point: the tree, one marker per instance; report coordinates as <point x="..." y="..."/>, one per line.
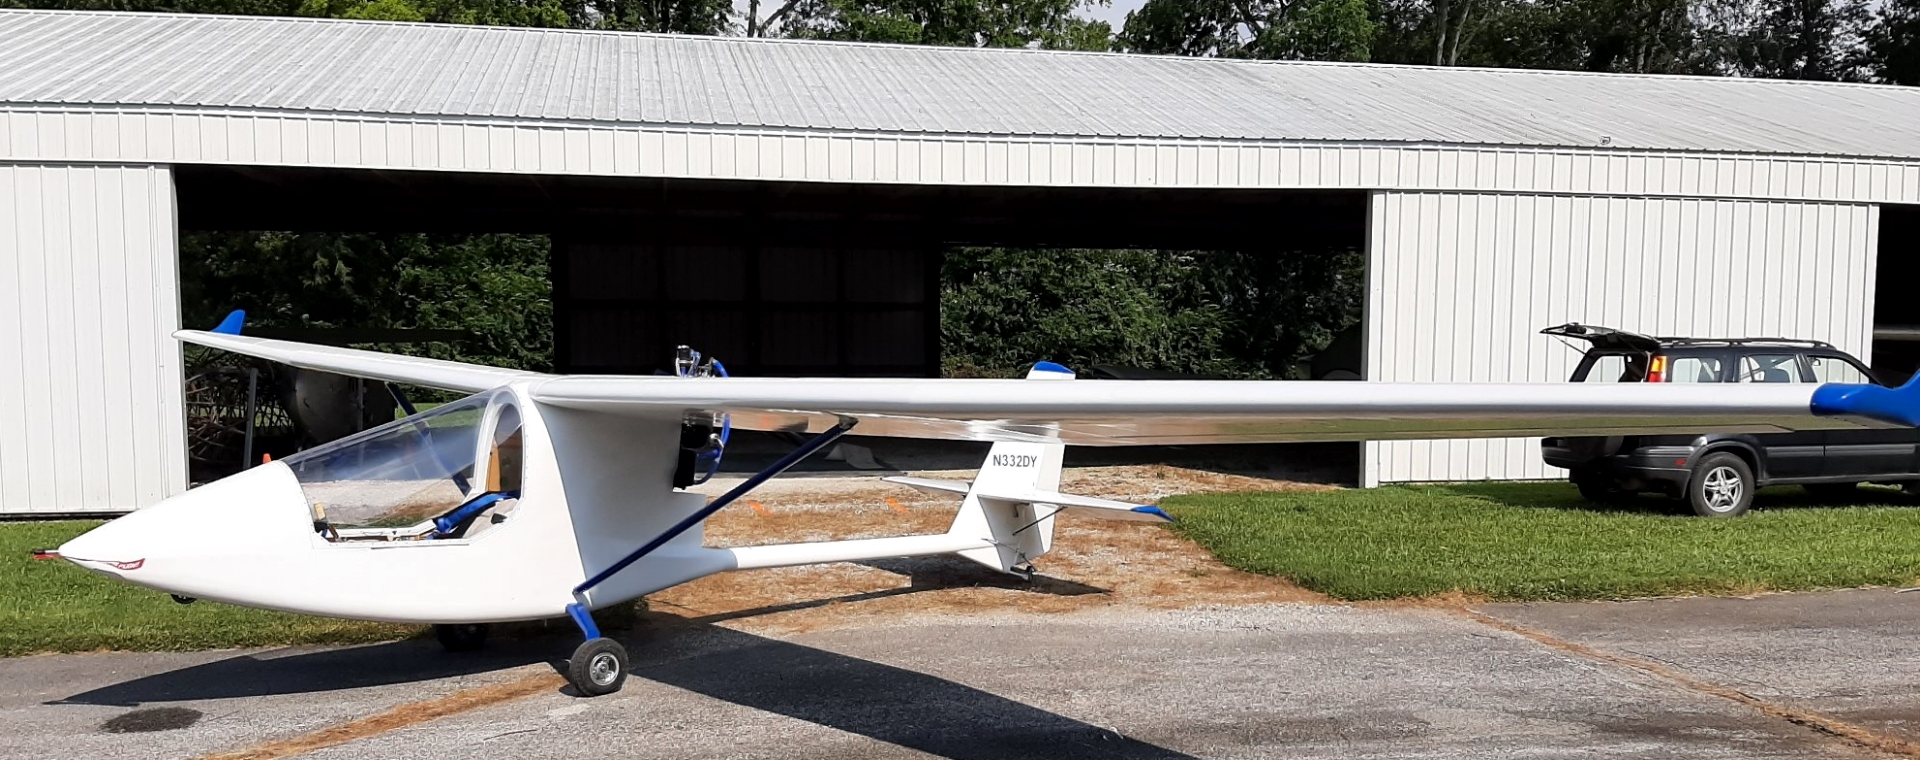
<point x="493" y="286"/>
<point x="1222" y="313"/>
<point x="956" y="23"/>
<point x="1338" y="30"/>
<point x="1795" y="39"/>
<point x="1893" y="42"/>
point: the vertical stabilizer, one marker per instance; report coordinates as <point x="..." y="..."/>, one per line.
<point x="1012" y="534"/>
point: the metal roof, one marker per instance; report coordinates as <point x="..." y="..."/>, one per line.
<point x="172" y="62"/>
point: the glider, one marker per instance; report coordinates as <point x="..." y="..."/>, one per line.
<point x="543" y="496"/>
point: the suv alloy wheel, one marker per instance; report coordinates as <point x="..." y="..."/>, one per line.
<point x="1722" y="486"/>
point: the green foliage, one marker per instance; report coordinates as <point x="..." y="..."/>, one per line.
<point x="494" y="286"/>
<point x="1219" y="313"/>
<point x="1323" y="30"/>
<point x="56" y="607"/>
<point x="1525" y="541"/>
<point x="961" y="23"/>
<point x="1893" y="42"/>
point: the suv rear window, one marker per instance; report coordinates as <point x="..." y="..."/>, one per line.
<point x="1616" y="368"/>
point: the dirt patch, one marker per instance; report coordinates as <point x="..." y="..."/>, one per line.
<point x="401" y="716"/>
<point x="1094" y="563"/>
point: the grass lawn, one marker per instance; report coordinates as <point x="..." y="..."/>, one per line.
<point x="50" y="605"/>
<point x="1526" y="541"/>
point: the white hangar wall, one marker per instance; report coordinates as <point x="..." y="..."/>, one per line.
<point x="91" y="416"/>
<point x="1460" y="285"/>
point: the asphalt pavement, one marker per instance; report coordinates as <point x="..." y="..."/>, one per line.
<point x="1775" y="676"/>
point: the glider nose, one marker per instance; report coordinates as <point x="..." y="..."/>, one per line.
<point x="189" y="542"/>
<point x="110" y="549"/>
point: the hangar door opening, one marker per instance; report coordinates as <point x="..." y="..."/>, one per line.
<point x="787" y="308"/>
<point x="1896" y="314"/>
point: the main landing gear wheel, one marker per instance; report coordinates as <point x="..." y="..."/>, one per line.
<point x="598" y="667"/>
<point x="462" y="637"/>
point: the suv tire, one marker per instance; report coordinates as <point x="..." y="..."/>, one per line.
<point x="1596" y="487"/>
<point x="1722" y="486"/>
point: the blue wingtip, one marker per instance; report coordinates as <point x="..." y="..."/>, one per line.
<point x="1051" y="367"/>
<point x="1900" y="406"/>
<point x="232" y="324"/>
<point x="1155" y="511"/>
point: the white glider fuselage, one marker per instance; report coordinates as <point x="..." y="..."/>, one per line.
<point x="590" y="489"/>
<point x="252" y="539"/>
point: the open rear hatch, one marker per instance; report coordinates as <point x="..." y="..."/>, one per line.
<point x="1605" y="337"/>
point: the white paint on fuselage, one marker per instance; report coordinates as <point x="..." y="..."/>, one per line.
<point x="595" y="487"/>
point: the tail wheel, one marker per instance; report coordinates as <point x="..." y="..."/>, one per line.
<point x="598" y="667"/>
<point x="1722" y="486"/>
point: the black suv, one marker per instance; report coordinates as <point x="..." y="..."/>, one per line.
<point x="1717" y="474"/>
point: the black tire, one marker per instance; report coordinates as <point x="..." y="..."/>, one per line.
<point x="1722" y="486"/>
<point x="1598" y="488"/>
<point x="462" y="637"/>
<point x="1833" y="490"/>
<point x="598" y="667"/>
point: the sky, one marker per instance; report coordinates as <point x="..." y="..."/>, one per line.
<point x="1115" y="14"/>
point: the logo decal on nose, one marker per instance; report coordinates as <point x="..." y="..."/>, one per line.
<point x="129" y="565"/>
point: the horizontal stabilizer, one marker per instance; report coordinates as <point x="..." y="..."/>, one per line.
<point x="931" y="485"/>
<point x="1083" y="505"/>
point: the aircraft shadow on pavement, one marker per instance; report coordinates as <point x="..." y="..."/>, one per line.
<point x="883" y="702"/>
<point x="895" y="705"/>
<point x="312" y="672"/>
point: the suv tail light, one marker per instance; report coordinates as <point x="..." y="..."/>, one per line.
<point x="1657" y="369"/>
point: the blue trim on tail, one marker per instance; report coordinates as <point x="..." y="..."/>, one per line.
<point x="1155" y="511"/>
<point x="235" y="320"/>
<point x="1900" y="406"/>
<point x="1051" y="367"/>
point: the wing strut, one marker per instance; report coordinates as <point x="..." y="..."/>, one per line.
<point x="599" y="665"/>
<point x="806" y="450"/>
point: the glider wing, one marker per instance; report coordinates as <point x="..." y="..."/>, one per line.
<point x="1140" y="412"/>
<point x="1135" y="412"/>
<point x="410" y="370"/>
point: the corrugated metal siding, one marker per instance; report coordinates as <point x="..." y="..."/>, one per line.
<point x="90" y="392"/>
<point x="1460" y="285"/>
<point x="213" y="63"/>
<point x="278" y="140"/>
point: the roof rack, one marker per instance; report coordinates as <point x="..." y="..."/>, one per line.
<point x="1742" y="341"/>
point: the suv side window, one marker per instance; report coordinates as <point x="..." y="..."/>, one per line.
<point x="1833" y="369"/>
<point x="1769" y="368"/>
<point x="1694" y="369"/>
